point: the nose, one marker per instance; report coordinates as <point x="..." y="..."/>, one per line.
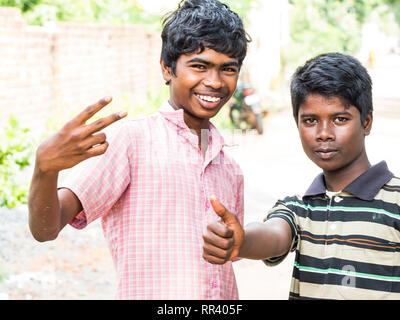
<point x="213" y="79"/>
<point x="325" y="132"/>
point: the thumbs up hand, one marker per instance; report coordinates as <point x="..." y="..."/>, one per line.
<point x="223" y="238"/>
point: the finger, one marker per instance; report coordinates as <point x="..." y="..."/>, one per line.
<point x="96" y="150"/>
<point x="221" y="211"/>
<point x="218" y="230"/>
<point x="91" y="110"/>
<point x="214" y="260"/>
<point x="216" y="251"/>
<point x="219" y="246"/>
<point x="93" y="140"/>
<point x="105" y="122"/>
<point x="216" y="255"/>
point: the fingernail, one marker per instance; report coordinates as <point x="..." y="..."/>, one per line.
<point x="107" y="99"/>
<point x="123" y="114"/>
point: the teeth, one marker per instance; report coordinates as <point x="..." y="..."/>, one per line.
<point x="209" y="98"/>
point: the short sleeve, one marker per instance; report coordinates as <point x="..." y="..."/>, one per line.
<point x="282" y="211"/>
<point x="240" y="198"/>
<point x="100" y="181"/>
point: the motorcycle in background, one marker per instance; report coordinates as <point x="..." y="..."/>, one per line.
<point x="245" y="112"/>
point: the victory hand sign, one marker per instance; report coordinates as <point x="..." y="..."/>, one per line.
<point x="76" y="141"/>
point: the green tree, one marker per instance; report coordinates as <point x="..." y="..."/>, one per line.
<point x="394" y="6"/>
<point x="242" y="7"/>
<point x="99" y="11"/>
<point x="319" y="26"/>
<point x="16" y="151"/>
<point x="24" y="5"/>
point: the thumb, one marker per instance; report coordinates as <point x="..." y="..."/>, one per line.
<point x="232" y="222"/>
<point x="226" y="216"/>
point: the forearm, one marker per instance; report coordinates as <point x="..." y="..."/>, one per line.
<point x="265" y="240"/>
<point x="44" y="206"/>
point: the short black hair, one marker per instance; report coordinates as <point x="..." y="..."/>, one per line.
<point x="199" y="24"/>
<point x="333" y="75"/>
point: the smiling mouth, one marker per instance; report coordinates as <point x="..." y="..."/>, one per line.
<point x="208" y="101"/>
<point x="208" y="98"/>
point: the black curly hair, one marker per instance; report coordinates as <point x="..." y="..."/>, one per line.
<point x="199" y="24"/>
<point x="333" y="75"/>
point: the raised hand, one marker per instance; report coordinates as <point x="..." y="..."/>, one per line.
<point x="223" y="238"/>
<point x="76" y="141"/>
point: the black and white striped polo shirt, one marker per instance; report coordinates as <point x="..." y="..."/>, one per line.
<point x="347" y="245"/>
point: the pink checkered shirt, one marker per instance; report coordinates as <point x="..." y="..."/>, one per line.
<point x="151" y="189"/>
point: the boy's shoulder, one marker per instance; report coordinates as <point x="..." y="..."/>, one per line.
<point x="393" y="184"/>
<point x="290" y="202"/>
<point x="390" y="191"/>
<point x="135" y="126"/>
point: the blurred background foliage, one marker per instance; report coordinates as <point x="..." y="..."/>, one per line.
<point x="318" y="26"/>
<point x="38" y="12"/>
<point x="16" y="151"/>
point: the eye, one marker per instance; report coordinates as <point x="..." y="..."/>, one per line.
<point x="309" y="120"/>
<point x="341" y="119"/>
<point x="230" y="70"/>
<point x="198" y="66"/>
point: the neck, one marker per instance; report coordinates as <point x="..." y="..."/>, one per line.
<point x="199" y="127"/>
<point x="194" y="123"/>
<point x="337" y="180"/>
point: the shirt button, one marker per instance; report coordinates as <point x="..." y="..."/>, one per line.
<point x="214" y="284"/>
<point x="207" y="205"/>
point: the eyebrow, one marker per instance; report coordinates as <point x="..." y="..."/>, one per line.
<point x="305" y="115"/>
<point x="208" y="63"/>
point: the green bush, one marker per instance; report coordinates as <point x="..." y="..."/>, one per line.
<point x="16" y="151"/>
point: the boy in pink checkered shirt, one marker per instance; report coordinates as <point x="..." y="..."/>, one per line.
<point x="150" y="180"/>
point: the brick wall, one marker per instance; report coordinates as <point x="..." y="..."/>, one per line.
<point x="65" y="65"/>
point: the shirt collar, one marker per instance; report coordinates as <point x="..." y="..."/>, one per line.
<point x="176" y="117"/>
<point x="364" y="187"/>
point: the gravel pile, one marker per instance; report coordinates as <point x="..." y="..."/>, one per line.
<point x="77" y="265"/>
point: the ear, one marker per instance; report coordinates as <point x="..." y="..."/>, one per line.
<point x="368" y="124"/>
<point x="166" y="71"/>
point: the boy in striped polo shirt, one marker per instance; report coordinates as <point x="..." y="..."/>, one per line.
<point x="345" y="228"/>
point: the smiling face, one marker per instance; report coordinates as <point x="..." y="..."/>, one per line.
<point x="202" y="84"/>
<point x="332" y="135"/>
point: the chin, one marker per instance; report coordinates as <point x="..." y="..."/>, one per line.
<point x="326" y="165"/>
<point x="212" y="114"/>
<point x="207" y="113"/>
<point x="331" y="167"/>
